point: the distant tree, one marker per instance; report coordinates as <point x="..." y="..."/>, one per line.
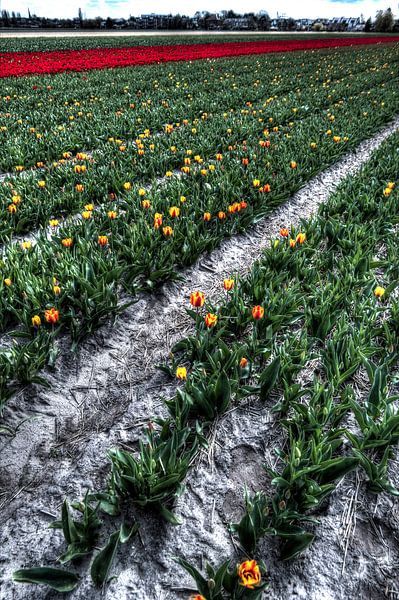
<point x="5" y="16"/>
<point x="291" y="24"/>
<point x="109" y="23"/>
<point x="264" y="21"/>
<point x="384" y="20"/>
<point x="367" y="26"/>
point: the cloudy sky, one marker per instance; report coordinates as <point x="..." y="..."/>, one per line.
<point x="124" y="8"/>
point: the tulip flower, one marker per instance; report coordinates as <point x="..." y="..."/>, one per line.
<point x="197" y="299"/>
<point x="167" y="231"/>
<point x="284" y="232"/>
<point x="36" y="321"/>
<point x="243" y="362"/>
<point x="112" y="214"/>
<point x="7" y="282"/>
<point x="51" y="315"/>
<point x="210" y="320"/>
<point x="221" y="215"/>
<point x="174" y="211"/>
<point x="379" y="292"/>
<point x="12" y="209"/>
<point x="102" y="240"/>
<point x="258" y="312"/>
<point x="41" y="184"/>
<point x="127" y="186"/>
<point x="300" y="238"/>
<point x="249" y="574"/>
<point x="228" y="284"/>
<point x="146" y="204"/>
<point x="56" y="290"/>
<point x="86" y="214"/>
<point x="181" y="373"/>
<point x="67" y="242"/>
<point x="79" y="187"/>
<point x="54" y="222"/>
<point x="26" y="245"/>
<point x="207" y="216"/>
<point x="293" y="164"/>
<point x="157" y="220"/>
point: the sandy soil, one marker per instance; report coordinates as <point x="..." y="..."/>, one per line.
<point x="102" y="397"/>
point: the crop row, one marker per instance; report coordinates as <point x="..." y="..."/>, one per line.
<point x="41" y="118"/>
<point x="46" y="44"/>
<point x="324" y="294"/>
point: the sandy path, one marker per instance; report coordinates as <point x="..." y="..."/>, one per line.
<point x="103" y="396"/>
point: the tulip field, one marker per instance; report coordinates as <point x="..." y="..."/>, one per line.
<point x="120" y="172"/>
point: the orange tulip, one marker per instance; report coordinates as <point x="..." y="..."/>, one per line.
<point x="258" y="312"/>
<point x="249" y="574"/>
<point x="51" y="315"/>
<point x="243" y="362"/>
<point x="112" y="214"/>
<point x="167" y="231"/>
<point x="228" y="284"/>
<point x="174" y="211"/>
<point x="146" y="204"/>
<point x="210" y="320"/>
<point x="207" y="216"/>
<point x="102" y="240"/>
<point x="157" y="220"/>
<point x="67" y="242"/>
<point x="197" y="299"/>
<point x="300" y="238"/>
<point x="221" y="215"/>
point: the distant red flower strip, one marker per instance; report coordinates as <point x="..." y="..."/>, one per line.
<point x="29" y="63"/>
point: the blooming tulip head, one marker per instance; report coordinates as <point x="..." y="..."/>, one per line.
<point x="181" y="373"/>
<point x="284" y="232"/>
<point x="300" y="238"/>
<point x="167" y="231"/>
<point x="228" y="284"/>
<point x="174" y="211"/>
<point x="258" y="312"/>
<point x="293" y="164"/>
<point x="112" y="214"/>
<point x="197" y="299"/>
<point x="51" y="315"/>
<point x="102" y="240"/>
<point x="207" y="216"/>
<point x="67" y="242"/>
<point x="210" y="320"/>
<point x="157" y="220"/>
<point x="221" y="215"/>
<point x="146" y="204"/>
<point x="127" y="186"/>
<point x="7" y="282"/>
<point x="243" y="362"/>
<point x="56" y="290"/>
<point x="41" y="184"/>
<point x="379" y="292"/>
<point x="249" y="574"/>
<point x="36" y="321"/>
<point x="86" y="214"/>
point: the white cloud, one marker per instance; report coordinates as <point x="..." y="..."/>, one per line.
<point x="123" y="8"/>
